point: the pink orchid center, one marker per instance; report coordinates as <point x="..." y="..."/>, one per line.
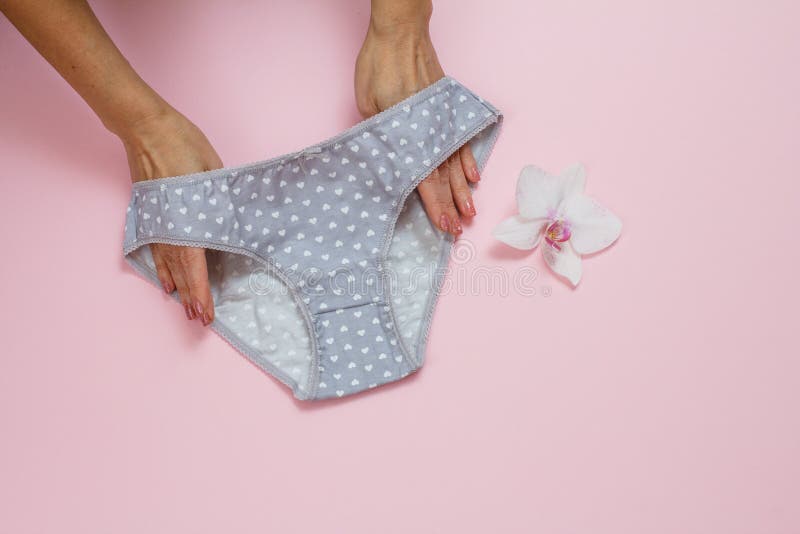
<point x="557" y="232"/>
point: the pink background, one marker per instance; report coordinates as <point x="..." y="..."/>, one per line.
<point x="661" y="396"/>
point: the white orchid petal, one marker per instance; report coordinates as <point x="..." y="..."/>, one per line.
<point x="520" y="232"/>
<point x="593" y="227"/>
<point x="538" y="193"/>
<point x="574" y="181"/>
<point x="565" y="262"/>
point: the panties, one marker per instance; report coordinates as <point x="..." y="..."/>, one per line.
<point x="323" y="265"/>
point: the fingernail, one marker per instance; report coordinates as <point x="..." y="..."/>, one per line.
<point x="167" y="287"/>
<point x="206" y="319"/>
<point x="457" y="225"/>
<point x="199" y="309"/>
<point x="443" y="224"/>
<point x="188" y="311"/>
<point x="470" y="206"/>
<point x="475" y="174"/>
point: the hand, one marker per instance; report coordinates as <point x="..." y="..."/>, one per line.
<point x="159" y="141"/>
<point x="397" y="60"/>
<point x="170" y="145"/>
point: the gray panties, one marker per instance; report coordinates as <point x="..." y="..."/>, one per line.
<point x="323" y="265"/>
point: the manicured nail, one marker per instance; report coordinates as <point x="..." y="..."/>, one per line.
<point x="206" y="319"/>
<point x="199" y="309"/>
<point x="167" y="288"/>
<point x="470" y="206"/>
<point x="443" y="224"/>
<point x="475" y="174"/>
<point x="188" y="311"/>
<point x="457" y="226"/>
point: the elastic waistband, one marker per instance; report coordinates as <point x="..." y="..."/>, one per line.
<point x="311" y="151"/>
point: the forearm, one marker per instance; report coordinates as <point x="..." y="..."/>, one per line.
<point x="69" y="36"/>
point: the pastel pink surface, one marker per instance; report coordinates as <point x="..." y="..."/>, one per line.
<point x="660" y="396"/>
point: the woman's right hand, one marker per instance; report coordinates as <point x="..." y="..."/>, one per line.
<point x="160" y="142"/>
<point x="163" y="145"/>
<point x="397" y="59"/>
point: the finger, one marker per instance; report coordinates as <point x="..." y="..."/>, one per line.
<point x="454" y="175"/>
<point x="183" y="293"/>
<point x="462" y="194"/>
<point x="169" y="255"/>
<point x="162" y="270"/>
<point x="469" y="165"/>
<point x="438" y="199"/>
<point x="196" y="272"/>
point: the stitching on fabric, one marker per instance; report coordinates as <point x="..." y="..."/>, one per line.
<point x="307" y="315"/>
<point x="422" y="338"/>
<point x="251" y="355"/>
<point x="356" y="129"/>
<point x="446" y="241"/>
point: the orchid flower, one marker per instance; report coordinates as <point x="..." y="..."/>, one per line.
<point x="555" y="208"/>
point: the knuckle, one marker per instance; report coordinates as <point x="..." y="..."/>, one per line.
<point x="162" y="271"/>
<point x="366" y="108"/>
<point x="442" y="176"/>
<point x="459" y="185"/>
<point x="196" y="284"/>
<point x="186" y="260"/>
<point x="444" y="204"/>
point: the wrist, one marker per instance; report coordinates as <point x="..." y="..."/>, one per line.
<point x="154" y="129"/>
<point x="164" y="144"/>
<point x="400" y="19"/>
<point x="134" y="113"/>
